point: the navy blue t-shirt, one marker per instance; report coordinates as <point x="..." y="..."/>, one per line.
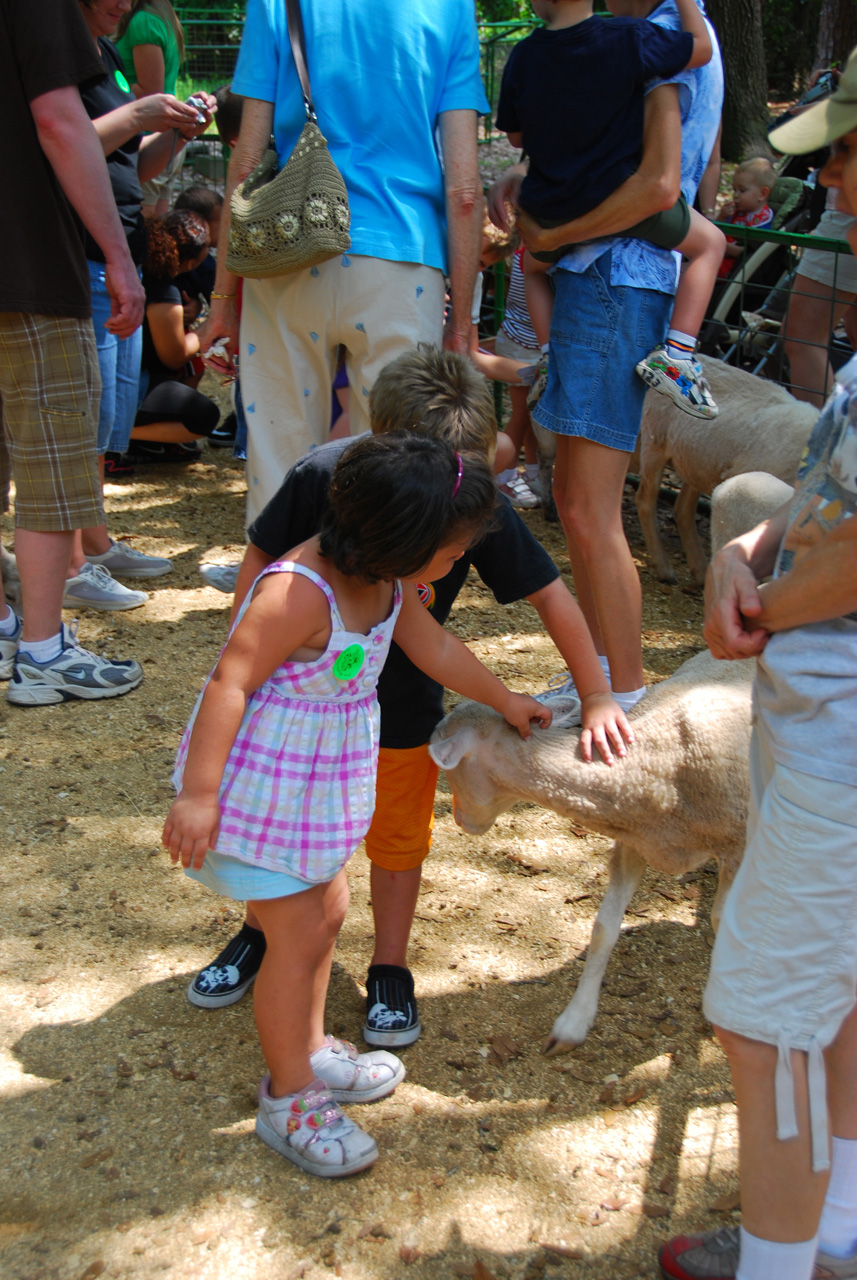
<point x="576" y="95"/>
<point x="509" y="560"/>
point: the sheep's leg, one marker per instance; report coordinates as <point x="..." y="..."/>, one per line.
<point x="651" y="474"/>
<point x="572" y="1026"/>
<point x="727" y="867"/>
<point x="685" y="518"/>
<point x="546" y="448"/>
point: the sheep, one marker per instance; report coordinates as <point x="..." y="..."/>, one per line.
<point x="11" y="579"/>
<point x="741" y="502"/>
<point x="760" y="427"/>
<point x="678" y="798"/>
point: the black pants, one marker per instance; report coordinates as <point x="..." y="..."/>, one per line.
<point x="174" y="402"/>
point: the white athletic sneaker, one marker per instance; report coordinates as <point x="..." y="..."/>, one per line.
<point x="74" y="673"/>
<point x="96" y="588"/>
<point x="8" y="649"/>
<point x="128" y="562"/>
<point x="309" y="1129"/>
<point x="682" y="380"/>
<point x="356" y="1077"/>
<point x="220" y="576"/>
<point x="519" y="493"/>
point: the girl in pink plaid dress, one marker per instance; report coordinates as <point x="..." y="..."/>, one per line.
<point x="276" y="771"/>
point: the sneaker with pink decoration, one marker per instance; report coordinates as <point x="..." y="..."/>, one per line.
<point x="311" y="1130"/>
<point x="356" y="1077"/>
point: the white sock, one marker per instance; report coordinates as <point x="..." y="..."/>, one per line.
<point x="680" y="346"/>
<point x="837" y="1231"/>
<point x="42" y="650"/>
<point x="9" y="623"/>
<point x="545" y="348"/>
<point x="764" y="1259"/>
<point x="630" y="699"/>
<point x="506" y="477"/>
<point x="531" y="470"/>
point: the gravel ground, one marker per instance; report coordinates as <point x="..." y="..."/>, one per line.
<point x="126" y="1119"/>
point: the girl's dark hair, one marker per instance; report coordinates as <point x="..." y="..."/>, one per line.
<point x="395" y="500"/>
<point x="178" y="237"/>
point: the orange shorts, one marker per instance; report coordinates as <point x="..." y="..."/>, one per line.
<point x="400" y="835"/>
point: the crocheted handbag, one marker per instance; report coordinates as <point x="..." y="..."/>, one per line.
<point x="283" y="222"/>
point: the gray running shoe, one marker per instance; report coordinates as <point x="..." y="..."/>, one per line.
<point x="128" y="562"/>
<point x="220" y="576"/>
<point x="714" y="1255"/>
<point x="96" y="588"/>
<point x="73" y="673"/>
<point x="8" y="649"/>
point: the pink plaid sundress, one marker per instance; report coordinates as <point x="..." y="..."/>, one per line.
<point x="298" y="789"/>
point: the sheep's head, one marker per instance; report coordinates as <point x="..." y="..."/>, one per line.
<point x="483" y="757"/>
<point x="462" y="747"/>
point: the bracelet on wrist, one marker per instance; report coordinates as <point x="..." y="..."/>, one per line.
<point x="223" y="295"/>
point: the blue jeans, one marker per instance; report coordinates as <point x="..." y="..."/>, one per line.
<point x="119" y="361"/>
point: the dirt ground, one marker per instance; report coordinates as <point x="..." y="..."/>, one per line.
<point x="126" y="1119"/>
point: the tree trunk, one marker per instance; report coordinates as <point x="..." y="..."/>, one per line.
<point x="745" y="110"/>
<point x="837" y="32"/>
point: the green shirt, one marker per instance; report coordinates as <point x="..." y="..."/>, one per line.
<point x="148" y="28"/>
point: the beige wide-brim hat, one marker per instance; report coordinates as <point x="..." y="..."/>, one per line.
<point x="824" y="122"/>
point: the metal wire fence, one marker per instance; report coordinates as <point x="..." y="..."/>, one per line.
<point x="776" y="322"/>
<point x="213" y="35"/>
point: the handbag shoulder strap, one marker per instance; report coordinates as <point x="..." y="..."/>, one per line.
<point x="298" y="43"/>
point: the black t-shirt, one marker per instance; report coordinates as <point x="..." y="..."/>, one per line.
<point x="43" y="47"/>
<point x="100" y="96"/>
<point x="509" y="560"/>
<point x="576" y="96"/>
<point x="158" y="290"/>
<point x="200" y="281"/>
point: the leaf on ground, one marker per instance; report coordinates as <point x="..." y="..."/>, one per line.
<point x="94" y="1269"/>
<point x="97" y="1156"/>
<point x="654" y="1210"/>
<point x="503" y="1050"/>
<point x="377" y="1230"/>
<point x="528" y="866"/>
<point x="562" y="1250"/>
<point x="726" y="1203"/>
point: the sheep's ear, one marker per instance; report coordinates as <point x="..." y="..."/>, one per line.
<point x="565" y="708"/>
<point x="448" y="752"/>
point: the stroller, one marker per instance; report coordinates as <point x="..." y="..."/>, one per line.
<point x="745" y="323"/>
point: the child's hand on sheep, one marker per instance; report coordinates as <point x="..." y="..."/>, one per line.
<point x="519" y="709"/>
<point x="604" y="723"/>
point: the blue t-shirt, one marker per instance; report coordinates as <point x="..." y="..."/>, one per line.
<point x="700" y="99"/>
<point x="381" y="74"/>
<point x="576" y="95"/>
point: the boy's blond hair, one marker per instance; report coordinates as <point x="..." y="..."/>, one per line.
<point x="760" y="170"/>
<point x="435" y="393"/>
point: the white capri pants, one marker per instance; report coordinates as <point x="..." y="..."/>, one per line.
<point x="291" y="329"/>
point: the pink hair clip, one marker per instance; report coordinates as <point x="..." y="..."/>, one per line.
<point x="457" y="484"/>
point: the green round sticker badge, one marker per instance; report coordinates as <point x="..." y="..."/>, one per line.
<point x="121" y="81"/>
<point x="349" y="662"/>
